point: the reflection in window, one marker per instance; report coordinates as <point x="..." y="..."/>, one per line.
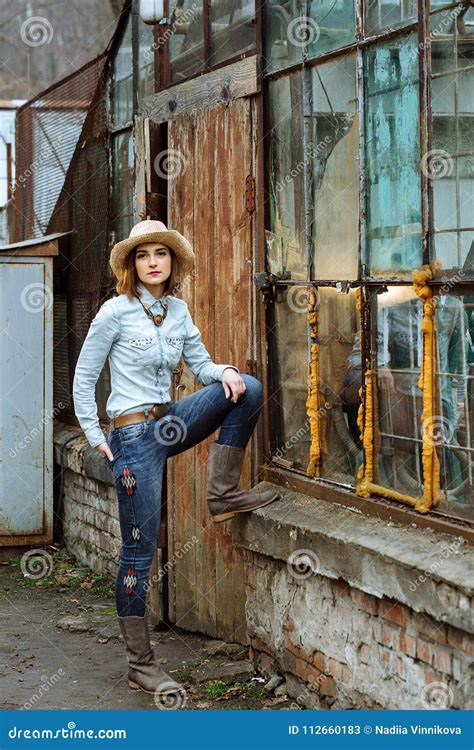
<point x="291" y="428"/>
<point x="123" y="183"/>
<point x="334" y="154"/>
<point x="453" y="430"/>
<point x="122" y="79"/>
<point x="146" y="62"/>
<point x="399" y="399"/>
<point x="393" y="157"/>
<point x="286" y="234"/>
<point x="385" y="14"/>
<point x="339" y="342"/>
<point x="331" y="25"/>
<point x="232" y="28"/>
<point x="285" y="33"/>
<point x="450" y="164"/>
<point x="186" y="43"/>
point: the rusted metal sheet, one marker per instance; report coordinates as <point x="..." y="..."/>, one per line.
<point x="207" y="202"/>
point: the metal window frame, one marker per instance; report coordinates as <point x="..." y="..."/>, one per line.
<point x="426" y="287"/>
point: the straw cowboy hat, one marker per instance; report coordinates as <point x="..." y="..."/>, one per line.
<point x="153" y="231"/>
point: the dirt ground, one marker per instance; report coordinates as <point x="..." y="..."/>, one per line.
<point x="61" y="648"/>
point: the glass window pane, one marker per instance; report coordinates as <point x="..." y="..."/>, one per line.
<point x="146" y="64"/>
<point x="291" y="427"/>
<point x="400" y="402"/>
<point x="452" y="431"/>
<point x="285" y="236"/>
<point x="123" y="183"/>
<point x="393" y="158"/>
<point x="186" y="43"/>
<point x="285" y="34"/>
<point x="335" y="158"/>
<point x="386" y="14"/>
<point x="340" y="380"/>
<point x="122" y="80"/>
<point x="450" y="163"/>
<point x="331" y="25"/>
<point x="232" y="28"/>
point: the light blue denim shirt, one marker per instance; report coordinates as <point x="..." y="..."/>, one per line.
<point x="141" y="356"/>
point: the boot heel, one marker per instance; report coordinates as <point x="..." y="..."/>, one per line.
<point x="133" y="685"/>
<point x="223" y="516"/>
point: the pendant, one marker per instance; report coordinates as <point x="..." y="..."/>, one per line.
<point x="158" y="319"/>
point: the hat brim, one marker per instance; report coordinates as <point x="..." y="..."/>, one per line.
<point x="173" y="239"/>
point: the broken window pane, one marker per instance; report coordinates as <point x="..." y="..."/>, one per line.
<point x="393" y="157"/>
<point x="331" y="25"/>
<point x="386" y="14"/>
<point x="123" y="185"/>
<point x="400" y="402"/>
<point x="291" y="434"/>
<point x="339" y="382"/>
<point x="450" y="163"/>
<point x="452" y="431"/>
<point x="122" y="79"/>
<point x="186" y="42"/>
<point x="285" y="33"/>
<point x="334" y="153"/>
<point x="285" y="236"/>
<point x="232" y="28"/>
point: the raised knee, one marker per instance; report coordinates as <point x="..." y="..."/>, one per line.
<point x="253" y="385"/>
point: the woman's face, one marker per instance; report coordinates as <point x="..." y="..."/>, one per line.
<point x="153" y="263"/>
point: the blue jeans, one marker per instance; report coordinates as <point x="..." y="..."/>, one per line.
<point x="140" y="452"/>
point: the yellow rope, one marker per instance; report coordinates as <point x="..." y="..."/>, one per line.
<point x="312" y="401"/>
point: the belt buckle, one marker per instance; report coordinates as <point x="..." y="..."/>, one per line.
<point x="159" y="410"/>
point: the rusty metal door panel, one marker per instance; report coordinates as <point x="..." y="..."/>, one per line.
<point x="208" y="201"/>
<point x="26" y="414"/>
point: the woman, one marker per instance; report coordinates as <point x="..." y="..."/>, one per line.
<point x="144" y="331"/>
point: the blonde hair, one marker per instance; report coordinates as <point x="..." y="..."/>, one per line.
<point x="128" y="281"/>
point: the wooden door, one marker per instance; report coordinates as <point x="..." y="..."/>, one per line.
<point x="210" y="201"/>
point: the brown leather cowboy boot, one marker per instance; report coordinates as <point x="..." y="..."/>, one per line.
<point x="224" y="499"/>
<point x="144" y="673"/>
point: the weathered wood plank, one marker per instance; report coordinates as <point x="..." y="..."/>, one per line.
<point x="220" y="86"/>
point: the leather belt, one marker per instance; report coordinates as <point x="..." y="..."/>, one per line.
<point x="156" y="412"/>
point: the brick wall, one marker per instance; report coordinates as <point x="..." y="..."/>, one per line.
<point x="342" y="648"/>
<point x="90" y="522"/>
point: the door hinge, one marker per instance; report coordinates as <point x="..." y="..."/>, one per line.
<point x="250" y="193"/>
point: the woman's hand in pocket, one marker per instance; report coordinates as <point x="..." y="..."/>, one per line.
<point x="104" y="451"/>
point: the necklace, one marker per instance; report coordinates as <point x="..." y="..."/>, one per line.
<point x="159" y="318"/>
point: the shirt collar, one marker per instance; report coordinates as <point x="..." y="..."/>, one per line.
<point x="146" y="296"/>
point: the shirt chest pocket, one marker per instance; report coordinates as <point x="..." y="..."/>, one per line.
<point x="145" y="350"/>
<point x="175" y="346"/>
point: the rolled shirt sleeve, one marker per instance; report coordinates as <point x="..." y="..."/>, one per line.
<point x="103" y="331"/>
<point x="198" y="359"/>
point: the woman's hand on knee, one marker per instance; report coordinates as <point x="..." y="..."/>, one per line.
<point x="233" y="384"/>
<point x="104" y="451"/>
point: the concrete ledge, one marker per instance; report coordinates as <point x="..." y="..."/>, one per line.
<point x="72" y="451"/>
<point x="429" y="572"/>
